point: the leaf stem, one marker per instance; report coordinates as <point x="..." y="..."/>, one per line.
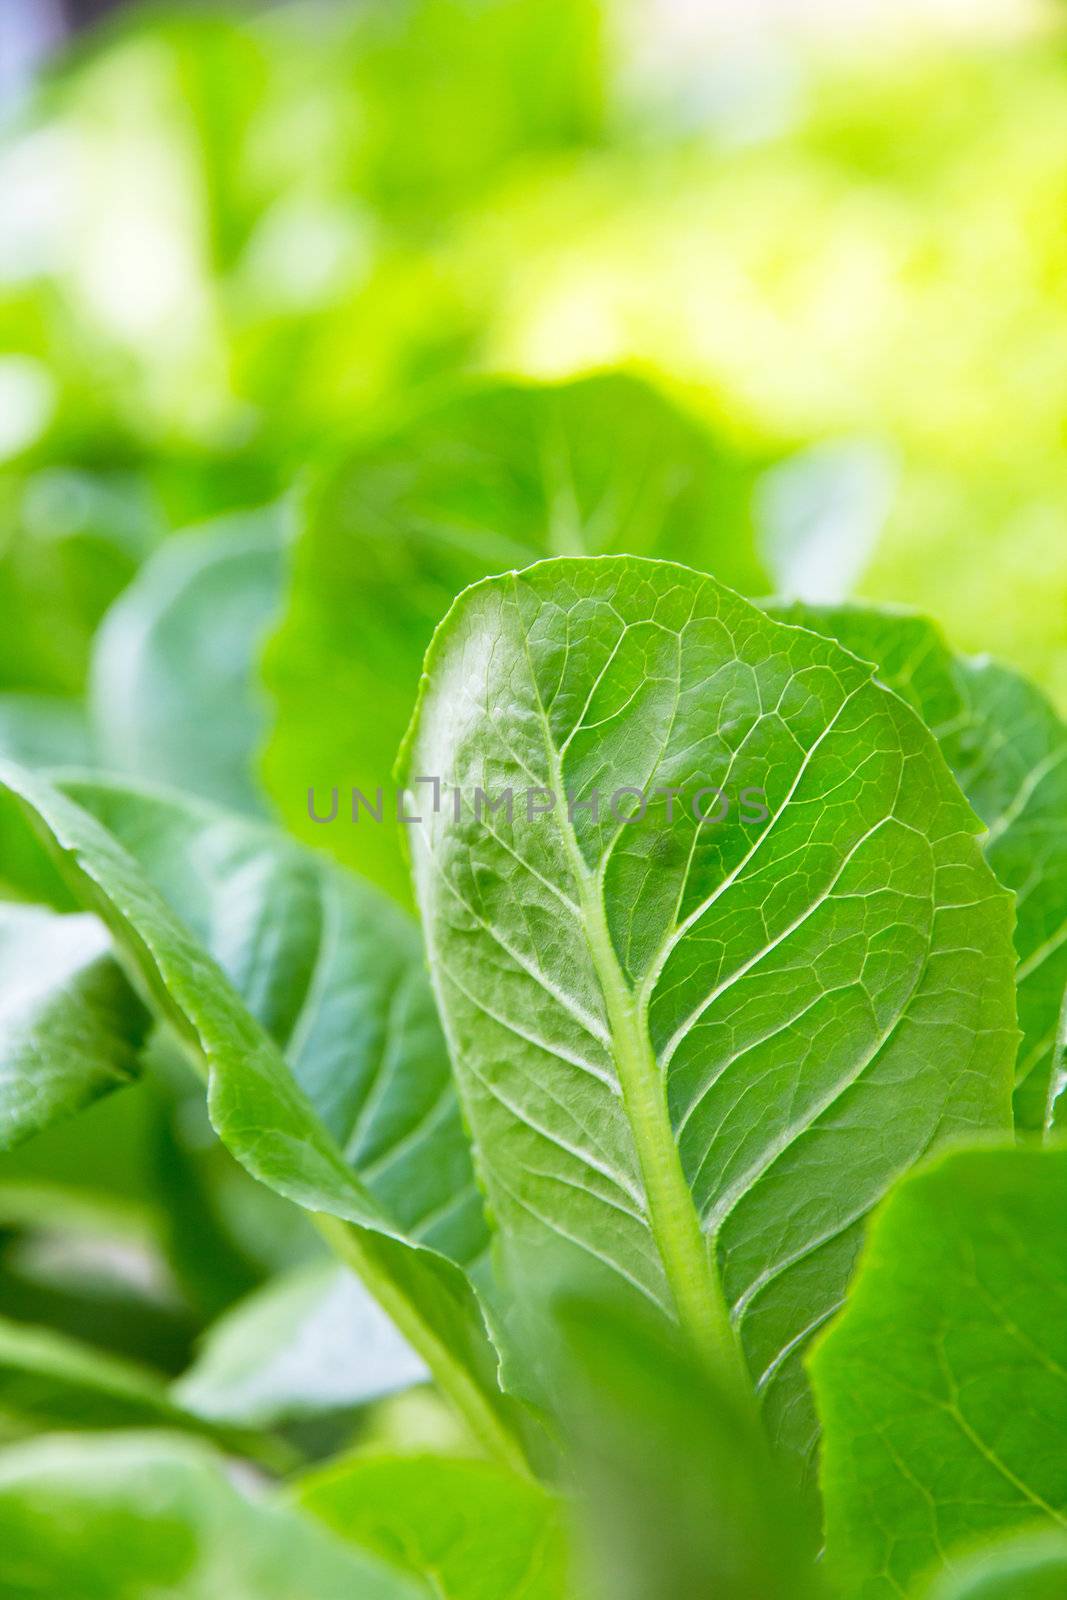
<point x="452" y="1379"/>
<point x="688" y="1256"/>
<point x="691" y="1270"/>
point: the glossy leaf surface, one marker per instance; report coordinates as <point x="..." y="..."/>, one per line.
<point x="699" y="1047"/>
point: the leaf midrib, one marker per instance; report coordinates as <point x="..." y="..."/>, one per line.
<point x="691" y="1271"/>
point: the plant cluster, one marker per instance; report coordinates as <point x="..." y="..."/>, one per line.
<point x="707" y="1164"/>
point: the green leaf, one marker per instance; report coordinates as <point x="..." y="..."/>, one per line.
<point x="48" y="1381"/>
<point x="942" y="1388"/>
<point x="490" y="479"/>
<point x="700" y="1052"/>
<point x="70" y="1025"/>
<point x="310" y="1341"/>
<point x="134" y="1515"/>
<point x="1012" y="764"/>
<point x="679" y="1493"/>
<point x="51" y="1382"/>
<point x="257" y="1105"/>
<point x="173" y="689"/>
<point x="474" y="1531"/>
<point x="336" y="975"/>
<point x="1008" y="749"/>
<point x="1031" y="1567"/>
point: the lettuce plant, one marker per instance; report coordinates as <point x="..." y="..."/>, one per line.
<point x="726" y="914"/>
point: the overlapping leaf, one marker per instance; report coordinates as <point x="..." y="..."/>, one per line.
<point x="943" y="1387"/>
<point x="1008" y="749"/>
<point x="310" y="1341"/>
<point x="70" y="1026"/>
<point x="335" y="974"/>
<point x="173" y="689"/>
<point x="256" y="1103"/>
<point x="676" y="1489"/>
<point x="700" y="1050"/>
<point x="490" y="479"/>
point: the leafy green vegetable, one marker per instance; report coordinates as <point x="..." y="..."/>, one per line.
<point x="173" y="691"/>
<point x="309" y="1341"/>
<point x="700" y="1051"/>
<point x="123" y="1517"/>
<point x="335" y="974"/>
<point x="70" y="1026"/>
<point x="1008" y="749"/>
<point x="490" y="479"/>
<point x="271" y="257"/>
<point x="257" y="1105"/>
<point x="942" y="1388"/>
<point x="476" y="1532"/>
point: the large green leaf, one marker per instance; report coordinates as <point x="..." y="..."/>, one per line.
<point x="475" y="1531"/>
<point x="490" y="479"/>
<point x="1008" y="749"/>
<point x="311" y="1340"/>
<point x="943" y="1387"/>
<point x="135" y="1515"/>
<point x="173" y="691"/>
<point x="257" y="1105"/>
<point x="700" y="1051"/>
<point x="70" y="1025"/>
<point x="1011" y="759"/>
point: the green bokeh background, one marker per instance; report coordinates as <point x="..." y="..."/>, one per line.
<point x="229" y="237"/>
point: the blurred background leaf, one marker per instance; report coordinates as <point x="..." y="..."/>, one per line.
<point x="679" y="1490"/>
<point x="228" y="234"/>
<point x="174" y="695"/>
<point x="311" y="1341"/>
<point x="490" y="478"/>
<point x="112" y="1518"/>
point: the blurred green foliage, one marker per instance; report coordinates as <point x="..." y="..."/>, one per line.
<point x="310" y="315"/>
<point x="229" y="237"/>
